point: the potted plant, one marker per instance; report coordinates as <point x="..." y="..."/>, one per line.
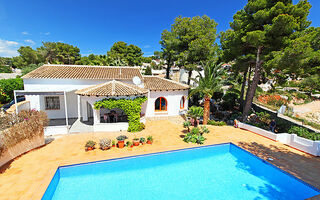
<point x="90" y="145"/>
<point x="149" y="139"/>
<point x="142" y="140"/>
<point x="105" y="144"/>
<point x="136" y="141"/>
<point x="113" y="143"/>
<point x="129" y="144"/>
<point x="121" y="139"/>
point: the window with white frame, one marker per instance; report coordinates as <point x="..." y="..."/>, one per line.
<point x="52" y="103"/>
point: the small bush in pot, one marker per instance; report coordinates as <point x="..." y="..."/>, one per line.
<point x="129" y="144"/>
<point x="113" y="143"/>
<point x="90" y="145"/>
<point x="149" y="139"/>
<point x="105" y="144"/>
<point x="121" y="139"/>
<point x="136" y="142"/>
<point x="142" y="140"/>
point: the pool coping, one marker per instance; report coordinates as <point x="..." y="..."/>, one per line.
<point x="177" y="150"/>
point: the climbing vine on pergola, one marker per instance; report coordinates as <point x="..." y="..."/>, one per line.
<point x="132" y="107"/>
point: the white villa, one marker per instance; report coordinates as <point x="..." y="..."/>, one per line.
<point x="67" y="93"/>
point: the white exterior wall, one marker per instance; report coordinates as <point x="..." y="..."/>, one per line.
<point x="148" y="108"/>
<point x="38" y="101"/>
<point x="308" y="146"/>
<point x="173" y="103"/>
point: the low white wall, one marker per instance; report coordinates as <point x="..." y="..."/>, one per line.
<point x="303" y="144"/>
<point x="111" y="127"/>
<point x="55" y="130"/>
<point x="20" y="148"/>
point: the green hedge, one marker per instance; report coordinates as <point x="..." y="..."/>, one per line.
<point x="216" y="123"/>
<point x="132" y="107"/>
<point x="303" y="132"/>
<point x="5" y="69"/>
<point x="8" y="86"/>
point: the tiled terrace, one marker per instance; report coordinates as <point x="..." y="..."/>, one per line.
<point x="28" y="176"/>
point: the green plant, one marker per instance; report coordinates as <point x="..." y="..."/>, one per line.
<point x="194" y="138"/>
<point x="128" y="143"/>
<point x="150" y="138"/>
<point x="196" y="135"/>
<point x="132" y="107"/>
<point x="303" y="132"/>
<point x="142" y="140"/>
<point x="195" y="113"/>
<point x="264" y="117"/>
<point x="142" y="126"/>
<point x="113" y="143"/>
<point x="121" y="138"/>
<point x="217" y="123"/>
<point x="90" y="143"/>
<point x="105" y="143"/>
<point x="8" y="86"/>
<point x="187" y="124"/>
<point x="5" y="69"/>
<point x="204" y="129"/>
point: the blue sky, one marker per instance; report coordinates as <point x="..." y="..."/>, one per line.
<point x="95" y="25"/>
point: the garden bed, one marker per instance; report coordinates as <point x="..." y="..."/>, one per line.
<point x="292" y="140"/>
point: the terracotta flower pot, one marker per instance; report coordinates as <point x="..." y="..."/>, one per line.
<point x="89" y="148"/>
<point x="136" y="142"/>
<point x="149" y="142"/>
<point x="120" y="144"/>
<point x="114" y="145"/>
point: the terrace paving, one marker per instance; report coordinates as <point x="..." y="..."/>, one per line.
<point x="28" y="176"/>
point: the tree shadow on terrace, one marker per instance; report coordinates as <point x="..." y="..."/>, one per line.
<point x="303" y="166"/>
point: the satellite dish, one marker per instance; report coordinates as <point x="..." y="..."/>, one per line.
<point x="136" y="80"/>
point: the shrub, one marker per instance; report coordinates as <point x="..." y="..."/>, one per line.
<point x="5" y="69"/>
<point x="196" y="135"/>
<point x="8" y="86"/>
<point x="303" y="132"/>
<point x="25" y="125"/>
<point x="122" y="137"/>
<point x="272" y="100"/>
<point x="142" y="140"/>
<point x="230" y="100"/>
<point x="90" y="143"/>
<point x="105" y="143"/>
<point x="217" y="123"/>
<point x="194" y="138"/>
<point x="142" y="126"/>
<point x="132" y="107"/>
<point x="187" y="124"/>
<point x="150" y="138"/>
<point x="195" y="112"/>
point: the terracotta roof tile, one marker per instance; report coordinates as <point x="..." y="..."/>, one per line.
<point x="83" y="72"/>
<point x="112" y="88"/>
<point x="158" y="83"/>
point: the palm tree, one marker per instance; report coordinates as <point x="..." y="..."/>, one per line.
<point x="208" y="83"/>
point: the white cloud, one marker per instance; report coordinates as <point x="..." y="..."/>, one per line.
<point x="31" y="42"/>
<point x="146" y="46"/>
<point x="47" y="33"/>
<point x="24" y="33"/>
<point x="8" y="48"/>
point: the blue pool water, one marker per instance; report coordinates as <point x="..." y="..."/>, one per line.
<point x="212" y="172"/>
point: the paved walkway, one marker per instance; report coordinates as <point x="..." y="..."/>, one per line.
<point x="28" y="176"/>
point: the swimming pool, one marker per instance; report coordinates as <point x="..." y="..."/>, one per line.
<point x="223" y="171"/>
